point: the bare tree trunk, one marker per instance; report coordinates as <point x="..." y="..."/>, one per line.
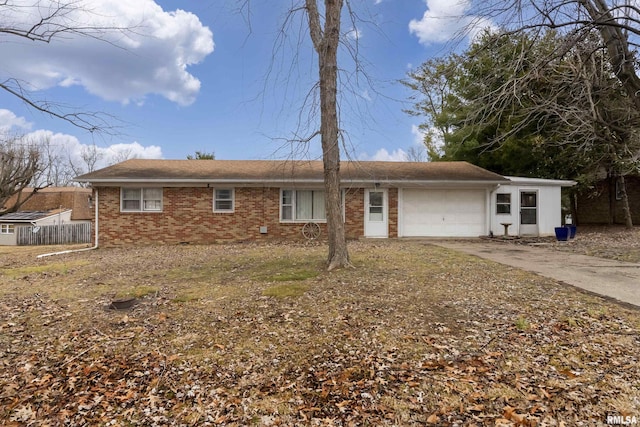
<point x="621" y="57"/>
<point x="325" y="41"/>
<point x="628" y="222"/>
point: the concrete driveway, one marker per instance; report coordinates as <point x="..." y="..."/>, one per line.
<point x="612" y="279"/>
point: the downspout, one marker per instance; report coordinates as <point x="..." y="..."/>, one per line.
<point x="95" y="246"/>
<point x="491" y="193"/>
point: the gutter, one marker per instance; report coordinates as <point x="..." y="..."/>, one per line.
<point x="95" y="246"/>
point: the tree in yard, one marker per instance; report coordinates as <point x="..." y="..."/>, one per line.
<point x="20" y="165"/>
<point x="58" y="169"/>
<point x="89" y="156"/>
<point x="323" y="20"/>
<point x="468" y="102"/>
<point x="616" y="22"/>
<point x="531" y="105"/>
<point x="325" y="35"/>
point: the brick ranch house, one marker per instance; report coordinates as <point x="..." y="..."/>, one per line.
<point x="206" y="201"/>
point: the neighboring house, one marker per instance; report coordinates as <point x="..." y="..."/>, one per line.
<point x="48" y="206"/>
<point x="9" y="223"/>
<point x="603" y="204"/>
<point x="203" y="201"/>
<point x="45" y="199"/>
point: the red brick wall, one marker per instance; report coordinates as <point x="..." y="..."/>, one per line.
<point x="393" y="212"/>
<point x="601" y="207"/>
<point x="188" y="216"/>
<point x="354" y="213"/>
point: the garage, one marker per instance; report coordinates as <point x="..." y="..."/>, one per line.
<point x="443" y="213"/>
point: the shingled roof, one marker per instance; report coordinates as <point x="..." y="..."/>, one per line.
<point x="50" y="198"/>
<point x="276" y="171"/>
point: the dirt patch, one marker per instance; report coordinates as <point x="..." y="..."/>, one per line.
<point x="413" y="335"/>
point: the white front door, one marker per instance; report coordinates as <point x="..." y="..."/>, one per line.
<point x="529" y="213"/>
<point x="376" y="212"/>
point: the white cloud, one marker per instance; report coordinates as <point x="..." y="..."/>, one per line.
<point x="8" y="121"/>
<point x="149" y="55"/>
<point x="418" y="135"/>
<point x="354" y="34"/>
<point x="383" y="155"/>
<point x="68" y="147"/>
<point x="119" y="152"/>
<point x="445" y="20"/>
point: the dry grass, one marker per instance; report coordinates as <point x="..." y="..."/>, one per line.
<point x="262" y="335"/>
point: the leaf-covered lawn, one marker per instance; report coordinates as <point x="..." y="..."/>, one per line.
<point x="262" y="335"/>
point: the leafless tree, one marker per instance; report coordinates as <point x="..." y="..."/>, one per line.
<point x="20" y="166"/>
<point x="122" y="154"/>
<point x="57" y="171"/>
<point x="91" y="156"/>
<point x="321" y="21"/>
<point x="417" y="154"/>
<point x="325" y="35"/>
<point x="617" y="22"/>
<point x="334" y="90"/>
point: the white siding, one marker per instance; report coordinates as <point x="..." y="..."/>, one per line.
<point x="549" y="209"/>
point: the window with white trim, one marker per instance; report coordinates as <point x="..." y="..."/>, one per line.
<point x="302" y="205"/>
<point x="7" y="228"/>
<point x="503" y="203"/>
<point x="141" y="199"/>
<point x="223" y="200"/>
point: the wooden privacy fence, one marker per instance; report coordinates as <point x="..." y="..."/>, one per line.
<point x="54" y="234"/>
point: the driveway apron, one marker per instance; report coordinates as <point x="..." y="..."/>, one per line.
<point x="609" y="278"/>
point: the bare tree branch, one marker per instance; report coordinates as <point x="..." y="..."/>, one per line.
<point x="89" y="121"/>
<point x="20" y="165"/>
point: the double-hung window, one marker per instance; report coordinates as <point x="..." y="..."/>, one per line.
<point x="223" y="199"/>
<point x="302" y="205"/>
<point x="141" y="199"/>
<point x="503" y="203"/>
<point x="7" y="229"/>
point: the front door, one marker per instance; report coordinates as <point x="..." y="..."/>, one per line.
<point x="376" y="223"/>
<point x="529" y="213"/>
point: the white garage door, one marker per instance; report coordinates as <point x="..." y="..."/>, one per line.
<point x="443" y="213"/>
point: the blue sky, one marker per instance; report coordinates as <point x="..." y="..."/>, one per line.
<point x="197" y="75"/>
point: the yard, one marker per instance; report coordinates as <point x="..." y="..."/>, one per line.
<point x="260" y="334"/>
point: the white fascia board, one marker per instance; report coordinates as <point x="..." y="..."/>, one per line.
<point x="429" y="184"/>
<point x="516" y="180"/>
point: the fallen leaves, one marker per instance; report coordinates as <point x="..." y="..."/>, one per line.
<point x="414" y="335"/>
